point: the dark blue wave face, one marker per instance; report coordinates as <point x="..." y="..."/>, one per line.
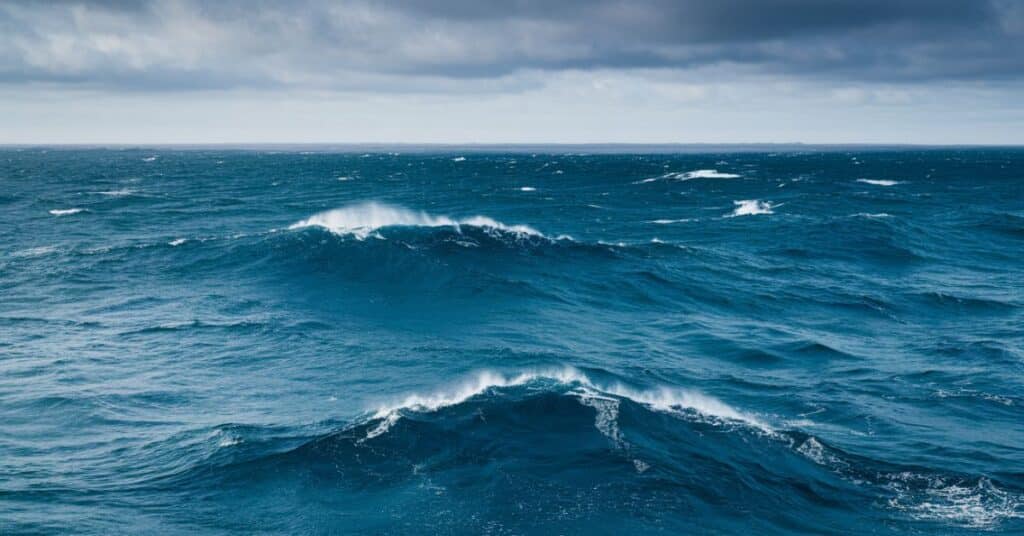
<point x="214" y="341"/>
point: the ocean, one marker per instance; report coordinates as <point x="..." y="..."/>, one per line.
<point x="544" y="340"/>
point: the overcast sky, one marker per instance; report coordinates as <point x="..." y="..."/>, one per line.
<point x="479" y="71"/>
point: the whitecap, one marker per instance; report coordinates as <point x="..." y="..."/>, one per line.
<point x="365" y="219"/>
<point x="527" y="189"/>
<point x="178" y="241"/>
<point x="668" y="222"/>
<point x="34" y="252"/>
<point x="66" y="211"/>
<point x="149" y="159"/>
<point x="662" y="398"/>
<point x="751" y="207"/>
<point x="344" y="178"/>
<point x="117" y="193"/>
<point x="879" y="182"/>
<point x="690" y="175"/>
<point x="228" y="441"/>
<point x="459" y="159"/>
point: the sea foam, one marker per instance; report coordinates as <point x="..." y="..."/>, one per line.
<point x="879" y="182"/>
<point x="751" y="207"/>
<point x="66" y="211"/>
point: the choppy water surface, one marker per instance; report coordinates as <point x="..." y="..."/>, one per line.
<point x="215" y="341"/>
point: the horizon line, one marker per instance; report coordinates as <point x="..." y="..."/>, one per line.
<point x="515" y="146"/>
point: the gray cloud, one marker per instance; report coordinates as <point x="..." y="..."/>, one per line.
<point x="484" y="45"/>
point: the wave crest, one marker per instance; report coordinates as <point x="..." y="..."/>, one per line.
<point x="365" y="219"/>
<point x="662" y="398"/>
<point x="694" y="174"/>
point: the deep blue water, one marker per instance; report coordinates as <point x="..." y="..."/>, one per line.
<point x="242" y="341"/>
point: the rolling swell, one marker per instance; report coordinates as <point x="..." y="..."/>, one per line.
<point x="237" y="341"/>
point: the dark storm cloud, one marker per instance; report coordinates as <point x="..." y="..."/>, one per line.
<point x="414" y="44"/>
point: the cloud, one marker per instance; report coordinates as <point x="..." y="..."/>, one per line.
<point x="489" y="45"/>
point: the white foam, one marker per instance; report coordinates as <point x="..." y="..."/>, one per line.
<point x="751" y="207"/>
<point x="178" y="241"/>
<point x="149" y="159"/>
<point x="979" y="506"/>
<point x="35" y="252"/>
<point x="527" y="189"/>
<point x="365" y="219"/>
<point x="694" y="174"/>
<point x="459" y="159"/>
<point x="879" y="182"/>
<point x="66" y="211"/>
<point x="117" y="193"/>
<point x="228" y="441"/>
<point x="344" y="178"/>
<point x="385" y="424"/>
<point x="668" y="222"/>
<point x="606" y="415"/>
<point x="662" y="398"/>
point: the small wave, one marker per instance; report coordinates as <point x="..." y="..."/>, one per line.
<point x="177" y="241"/>
<point x="345" y="178"/>
<point x="364" y="219"/>
<point x="751" y="207"/>
<point x="35" y="252"/>
<point x="694" y="174"/>
<point x="459" y="159"/>
<point x="879" y="182"/>
<point x="117" y="193"/>
<point x="149" y="159"/>
<point x="527" y="189"/>
<point x="66" y="211"/>
<point x="669" y="222"/>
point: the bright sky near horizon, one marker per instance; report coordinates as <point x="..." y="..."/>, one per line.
<point x="527" y="71"/>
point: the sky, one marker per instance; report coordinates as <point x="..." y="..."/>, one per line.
<point x="512" y="71"/>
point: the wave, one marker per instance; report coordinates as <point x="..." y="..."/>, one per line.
<point x="879" y="182"/>
<point x="694" y="174"/>
<point x="662" y="398"/>
<point x="66" y="211"/>
<point x="751" y="207"/>
<point x="669" y="222"/>
<point x="365" y="219"/>
<point x="589" y="440"/>
<point x="38" y="251"/>
<point x="117" y="193"/>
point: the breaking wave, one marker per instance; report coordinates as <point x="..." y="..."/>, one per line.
<point x="752" y="207"/>
<point x="364" y="219"/>
<point x="879" y="182"/>
<point x="690" y="175"/>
